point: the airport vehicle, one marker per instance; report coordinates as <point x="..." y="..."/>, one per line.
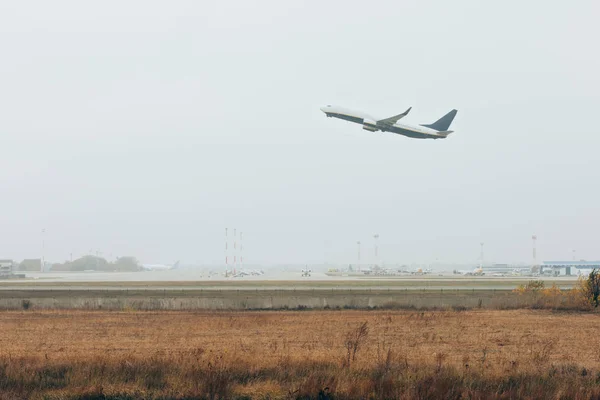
<point x="159" y="267"/>
<point x="437" y="130"/>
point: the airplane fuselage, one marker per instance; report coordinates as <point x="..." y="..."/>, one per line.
<point x="159" y="267"/>
<point x="156" y="267"/>
<point x="373" y="124"/>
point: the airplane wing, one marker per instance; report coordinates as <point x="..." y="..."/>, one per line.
<point x="394" y="119"/>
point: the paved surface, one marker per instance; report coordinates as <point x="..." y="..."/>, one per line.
<point x="288" y="282"/>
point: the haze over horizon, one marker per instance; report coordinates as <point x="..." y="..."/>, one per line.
<point x="146" y="128"/>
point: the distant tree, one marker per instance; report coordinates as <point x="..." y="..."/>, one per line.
<point x="126" y="264"/>
<point x="31" y="265"/>
<point x="586" y="293"/>
<point x="535" y="286"/>
<point x="85" y="263"/>
<point x="93" y="263"/>
<point x="593" y="287"/>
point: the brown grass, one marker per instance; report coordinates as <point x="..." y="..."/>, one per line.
<point x="289" y="355"/>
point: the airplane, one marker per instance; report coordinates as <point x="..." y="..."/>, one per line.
<point x="159" y="267"/>
<point x="437" y="130"/>
<point x="475" y="272"/>
<point x="421" y="271"/>
<point x="245" y="272"/>
<point x="366" y="270"/>
<point x="306" y="272"/>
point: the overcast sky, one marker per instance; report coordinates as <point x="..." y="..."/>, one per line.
<point x="146" y="127"/>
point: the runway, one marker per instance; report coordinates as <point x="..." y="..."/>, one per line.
<point x="189" y="280"/>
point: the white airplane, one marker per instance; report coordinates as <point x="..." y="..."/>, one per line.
<point x="421" y="271"/>
<point x="437" y="130"/>
<point x="244" y="272"/>
<point x="475" y="272"/>
<point x="306" y="272"/>
<point x="159" y="267"/>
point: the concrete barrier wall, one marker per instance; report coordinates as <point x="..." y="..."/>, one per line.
<point x="233" y="300"/>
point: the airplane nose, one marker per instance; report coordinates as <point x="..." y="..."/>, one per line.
<point x="326" y="109"/>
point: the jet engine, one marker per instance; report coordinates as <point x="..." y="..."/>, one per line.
<point x="370" y="125"/>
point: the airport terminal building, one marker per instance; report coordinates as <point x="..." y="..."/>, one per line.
<point x="6" y="268"/>
<point x="570" y="267"/>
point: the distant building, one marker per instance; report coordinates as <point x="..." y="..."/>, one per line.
<point x="6" y="268"/>
<point x="570" y="267"/>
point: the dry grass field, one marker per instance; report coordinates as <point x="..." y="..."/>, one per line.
<point x="299" y="354"/>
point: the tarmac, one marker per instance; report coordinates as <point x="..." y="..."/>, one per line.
<point x="190" y="280"/>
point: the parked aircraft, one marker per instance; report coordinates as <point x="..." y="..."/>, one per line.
<point x="437" y="130"/>
<point x="306" y="272"/>
<point x="248" y="272"/>
<point x="421" y="271"/>
<point x="475" y="272"/>
<point x="159" y="267"/>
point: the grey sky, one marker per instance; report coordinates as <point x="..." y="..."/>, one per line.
<point x="146" y="127"/>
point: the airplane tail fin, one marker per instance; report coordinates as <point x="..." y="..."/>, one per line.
<point x="176" y="265"/>
<point x="443" y="123"/>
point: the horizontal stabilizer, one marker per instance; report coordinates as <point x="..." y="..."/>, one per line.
<point x="394" y="119"/>
<point x="444" y="133"/>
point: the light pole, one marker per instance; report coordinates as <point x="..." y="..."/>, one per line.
<point x="376" y="237"/>
<point x="43" y="249"/>
<point x="358" y="244"/>
<point x="481" y="256"/>
<point x="534" y="267"/>
<point x="241" y="250"/>
<point x="226" y="254"/>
